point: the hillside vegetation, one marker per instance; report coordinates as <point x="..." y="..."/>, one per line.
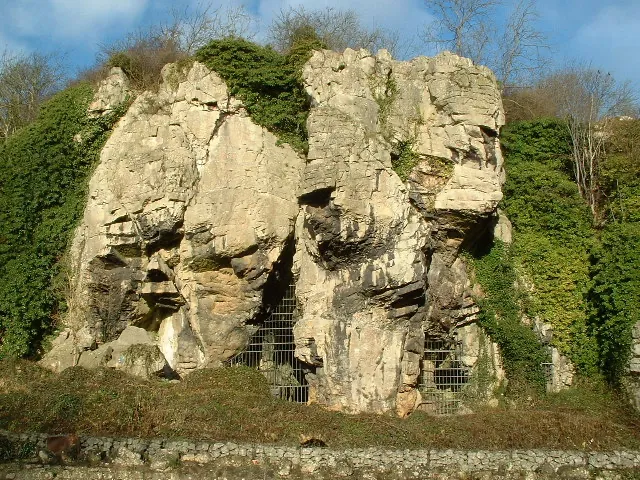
<point x="562" y="268"/>
<point x="44" y="169"/>
<point x="236" y="404"/>
<point x="565" y="269"/>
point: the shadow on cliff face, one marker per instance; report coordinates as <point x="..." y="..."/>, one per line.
<point x="236" y="404"/>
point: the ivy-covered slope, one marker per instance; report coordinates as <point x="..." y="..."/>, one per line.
<point x="615" y="293"/>
<point x="582" y="280"/>
<point x="553" y="234"/>
<point x="43" y="175"/>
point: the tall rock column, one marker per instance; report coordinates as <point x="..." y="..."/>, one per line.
<point x="403" y="168"/>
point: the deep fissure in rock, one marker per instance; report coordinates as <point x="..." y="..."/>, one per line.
<point x="271" y="349"/>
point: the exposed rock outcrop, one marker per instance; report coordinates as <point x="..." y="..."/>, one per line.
<point x="194" y="213"/>
<point x="632" y="380"/>
<point x="377" y="260"/>
<point x="112" y="92"/>
<point x="190" y="207"/>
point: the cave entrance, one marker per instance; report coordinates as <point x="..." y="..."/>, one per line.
<point x="443" y="376"/>
<point x="271" y="351"/>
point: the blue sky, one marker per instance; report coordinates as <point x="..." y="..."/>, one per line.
<point x="604" y="33"/>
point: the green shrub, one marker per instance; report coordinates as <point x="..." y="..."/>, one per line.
<point x="615" y="296"/>
<point x="268" y="83"/>
<point x="406" y="159"/>
<point x="43" y="175"/>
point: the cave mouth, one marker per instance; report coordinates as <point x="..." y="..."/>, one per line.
<point x="271" y="349"/>
<point x="443" y="376"/>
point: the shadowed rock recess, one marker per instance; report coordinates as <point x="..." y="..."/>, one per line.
<point x="195" y="212"/>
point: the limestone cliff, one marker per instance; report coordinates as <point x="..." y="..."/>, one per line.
<point x="196" y="217"/>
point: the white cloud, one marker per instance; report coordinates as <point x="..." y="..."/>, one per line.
<point x="70" y="19"/>
<point x="74" y="18"/>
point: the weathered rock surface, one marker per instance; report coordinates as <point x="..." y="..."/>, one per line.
<point x="560" y="371"/>
<point x="195" y="213"/>
<point x="632" y="380"/>
<point x="112" y="92"/>
<point x="188" y="211"/>
<point x="377" y="261"/>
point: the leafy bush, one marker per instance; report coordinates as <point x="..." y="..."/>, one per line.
<point x="615" y="296"/>
<point x="585" y="282"/>
<point x="269" y="84"/>
<point x="43" y="174"/>
<point x="620" y="171"/>
<point x="406" y="159"/>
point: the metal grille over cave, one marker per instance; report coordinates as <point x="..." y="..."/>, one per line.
<point x="271" y="351"/>
<point x="443" y="376"/>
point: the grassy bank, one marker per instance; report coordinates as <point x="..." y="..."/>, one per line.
<point x="234" y="404"/>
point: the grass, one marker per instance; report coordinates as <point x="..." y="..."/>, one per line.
<point x="235" y="404"/>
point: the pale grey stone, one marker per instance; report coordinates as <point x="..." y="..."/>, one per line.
<point x="112" y="92"/>
<point x="193" y="206"/>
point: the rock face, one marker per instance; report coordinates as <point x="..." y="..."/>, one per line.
<point x="112" y="92"/>
<point x="377" y="260"/>
<point x="196" y="217"/>
<point x="188" y="211"/>
<point x="632" y="380"/>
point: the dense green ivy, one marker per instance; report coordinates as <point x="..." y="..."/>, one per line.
<point x="553" y="234"/>
<point x="43" y="175"/>
<point x="615" y="296"/>
<point x="269" y="83"/>
<point x="500" y="316"/>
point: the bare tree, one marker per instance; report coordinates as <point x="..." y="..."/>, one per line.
<point x="471" y="28"/>
<point x="462" y="26"/>
<point x="337" y="29"/>
<point x="26" y="81"/>
<point x="192" y="28"/>
<point x="523" y="49"/>
<point x="144" y="52"/>
<point x="590" y="100"/>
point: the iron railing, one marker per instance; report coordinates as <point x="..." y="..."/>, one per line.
<point x="443" y="376"/>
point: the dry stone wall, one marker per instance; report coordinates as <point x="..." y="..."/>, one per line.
<point x="27" y="457"/>
<point x="195" y="215"/>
